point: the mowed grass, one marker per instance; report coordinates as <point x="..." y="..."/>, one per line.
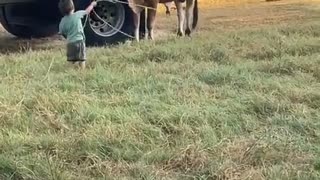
<point x="240" y="104"/>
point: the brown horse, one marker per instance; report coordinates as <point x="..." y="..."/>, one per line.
<point x="139" y="6"/>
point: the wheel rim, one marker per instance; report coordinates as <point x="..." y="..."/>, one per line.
<point x="113" y="14"/>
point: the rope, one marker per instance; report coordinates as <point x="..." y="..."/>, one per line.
<point x="119" y="30"/>
<point x="85" y="23"/>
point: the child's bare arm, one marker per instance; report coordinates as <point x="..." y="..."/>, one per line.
<point x="82" y="13"/>
<point x="61" y="32"/>
<point x="90" y="7"/>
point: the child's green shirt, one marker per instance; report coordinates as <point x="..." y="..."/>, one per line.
<point x="71" y="26"/>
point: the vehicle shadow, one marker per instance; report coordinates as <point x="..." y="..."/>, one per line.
<point x="10" y="44"/>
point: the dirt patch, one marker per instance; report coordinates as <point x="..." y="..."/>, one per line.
<point x="232" y="15"/>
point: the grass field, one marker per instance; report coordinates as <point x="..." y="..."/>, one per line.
<point x="240" y="100"/>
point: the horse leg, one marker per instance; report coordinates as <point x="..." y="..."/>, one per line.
<point x="181" y="17"/>
<point x="151" y="21"/>
<point x="167" y="9"/>
<point x="143" y="30"/>
<point x="189" y="14"/>
<point x="136" y="23"/>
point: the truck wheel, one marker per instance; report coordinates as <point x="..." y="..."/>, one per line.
<point x="117" y="18"/>
<point x="17" y="21"/>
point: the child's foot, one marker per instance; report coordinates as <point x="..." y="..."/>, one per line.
<point x="82" y="64"/>
<point x="71" y="64"/>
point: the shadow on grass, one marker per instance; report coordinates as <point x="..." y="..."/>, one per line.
<point x="10" y="44"/>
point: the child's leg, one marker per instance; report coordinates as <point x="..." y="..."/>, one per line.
<point x="71" y="64"/>
<point x="76" y="54"/>
<point x="82" y="64"/>
<point x="77" y="64"/>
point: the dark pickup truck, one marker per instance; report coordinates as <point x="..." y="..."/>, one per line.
<point x="40" y="18"/>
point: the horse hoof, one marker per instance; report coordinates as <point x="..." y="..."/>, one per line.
<point x="142" y="35"/>
<point x="188" y="32"/>
<point x="180" y="33"/>
<point x="150" y="38"/>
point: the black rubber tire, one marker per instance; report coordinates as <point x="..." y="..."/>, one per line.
<point x="93" y="39"/>
<point x="25" y="31"/>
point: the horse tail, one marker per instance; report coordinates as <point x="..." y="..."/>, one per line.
<point x="195" y="14"/>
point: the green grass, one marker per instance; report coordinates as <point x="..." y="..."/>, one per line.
<point x="241" y="104"/>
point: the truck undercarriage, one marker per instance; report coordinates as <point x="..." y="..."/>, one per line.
<point x="40" y="18"/>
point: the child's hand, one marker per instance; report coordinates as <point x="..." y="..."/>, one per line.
<point x="90" y="7"/>
<point x="94" y="3"/>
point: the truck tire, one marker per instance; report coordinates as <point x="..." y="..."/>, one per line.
<point x="41" y="19"/>
<point x="25" y="26"/>
<point x="118" y="15"/>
